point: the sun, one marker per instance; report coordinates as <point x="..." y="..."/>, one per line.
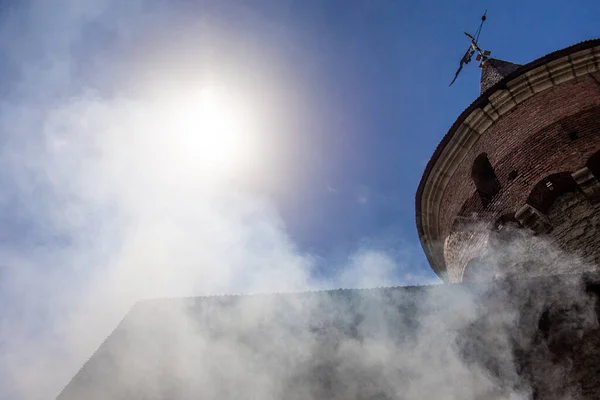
<point x="211" y="132"/>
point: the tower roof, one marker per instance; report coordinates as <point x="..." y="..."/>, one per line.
<point x="494" y="70"/>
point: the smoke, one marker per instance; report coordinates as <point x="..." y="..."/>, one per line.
<point x="99" y="213"/>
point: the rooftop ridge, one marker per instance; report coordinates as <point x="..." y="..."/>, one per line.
<point x="306" y="292"/>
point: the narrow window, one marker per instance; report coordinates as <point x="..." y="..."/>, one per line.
<point x="485" y="179"/>
<point x="573" y="135"/>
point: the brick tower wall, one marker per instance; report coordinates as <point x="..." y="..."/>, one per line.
<point x="534" y="150"/>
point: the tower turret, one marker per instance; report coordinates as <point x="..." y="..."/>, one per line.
<point x="494" y="70"/>
<point x="525" y="154"/>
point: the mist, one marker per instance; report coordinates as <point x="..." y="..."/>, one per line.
<point x="101" y="213"/>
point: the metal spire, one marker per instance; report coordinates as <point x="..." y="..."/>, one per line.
<point x="482" y="55"/>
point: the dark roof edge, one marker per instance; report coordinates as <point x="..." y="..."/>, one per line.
<point x="481" y="101"/>
<point x="308" y="292"/>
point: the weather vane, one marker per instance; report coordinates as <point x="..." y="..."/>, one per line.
<point x="482" y="55"/>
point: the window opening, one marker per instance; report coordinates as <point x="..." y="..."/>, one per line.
<point x="485" y="179"/>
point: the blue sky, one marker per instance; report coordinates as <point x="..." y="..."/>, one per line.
<point x="375" y="75"/>
<point x="352" y="97"/>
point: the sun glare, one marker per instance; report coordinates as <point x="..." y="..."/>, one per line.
<point x="211" y="133"/>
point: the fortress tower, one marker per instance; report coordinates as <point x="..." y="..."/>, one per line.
<point x="522" y="161"/>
